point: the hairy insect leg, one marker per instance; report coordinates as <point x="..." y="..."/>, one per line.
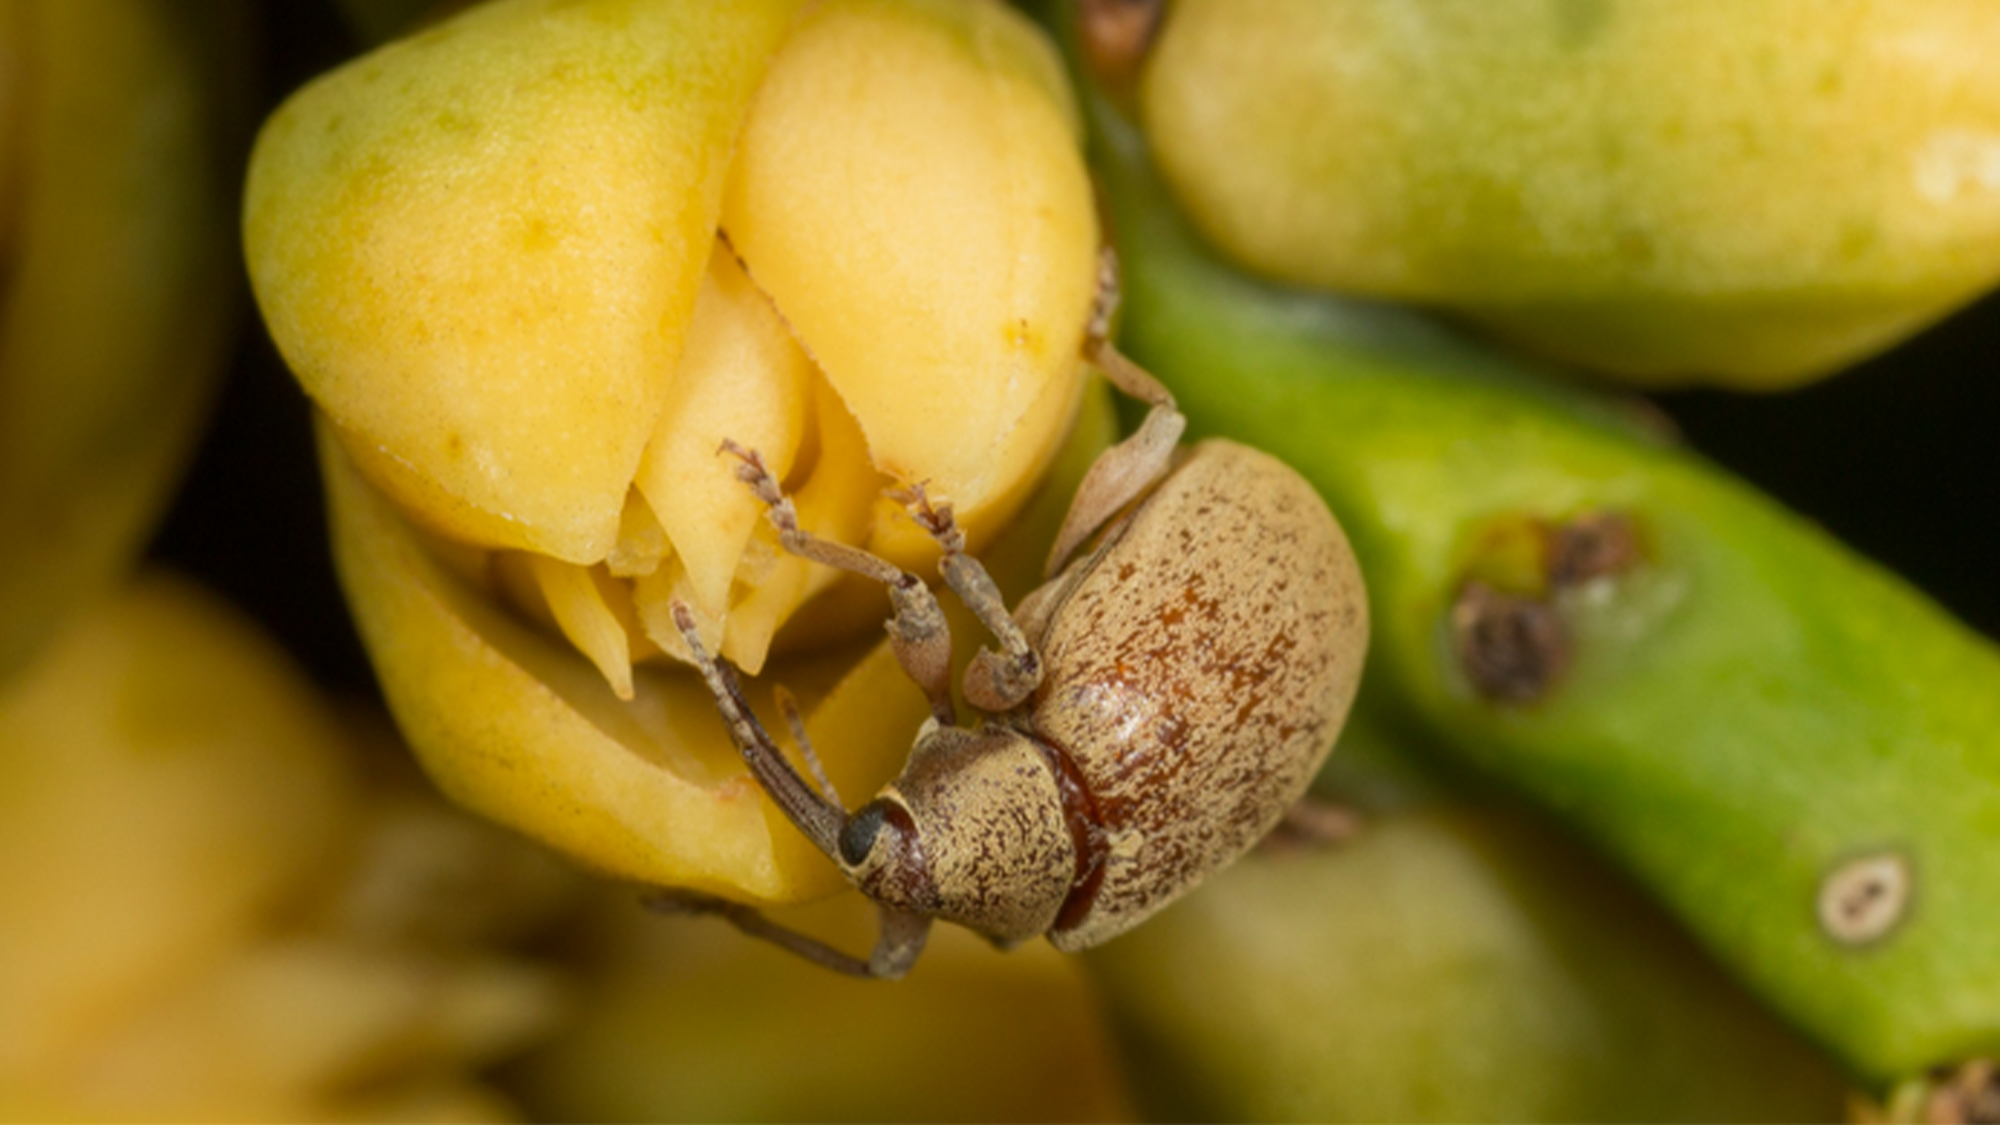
<point x="896" y="949"/>
<point x="1127" y="469"/>
<point x="993" y="682"/>
<point x="917" y="630"/>
<point x="820" y="819"/>
<point x="789" y="708"/>
<point x="1312" y="823"/>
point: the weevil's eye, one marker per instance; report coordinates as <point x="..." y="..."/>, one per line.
<point x="858" y="836"/>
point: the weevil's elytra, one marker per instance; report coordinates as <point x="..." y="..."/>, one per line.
<point x="1152" y="711"/>
<point x="1187" y="643"/>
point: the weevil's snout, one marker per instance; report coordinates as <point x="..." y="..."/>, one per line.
<point x="880" y="851"/>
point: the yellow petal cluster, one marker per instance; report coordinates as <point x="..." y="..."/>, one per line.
<point x="215" y="914"/>
<point x="536" y="263"/>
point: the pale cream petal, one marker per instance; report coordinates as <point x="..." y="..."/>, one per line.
<point x="743" y="378"/>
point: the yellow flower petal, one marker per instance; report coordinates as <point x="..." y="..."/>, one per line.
<point x="478" y="248"/>
<point x="908" y="194"/>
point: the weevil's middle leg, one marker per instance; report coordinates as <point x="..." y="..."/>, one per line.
<point x="918" y="633"/>
<point x="1312" y="823"/>
<point x="789" y="708"/>
<point x="896" y="949"/>
<point x="993" y="682"/>
<point x="1127" y="469"/>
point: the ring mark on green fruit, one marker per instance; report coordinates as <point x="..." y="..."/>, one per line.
<point x="1512" y="649"/>
<point x="1863" y="899"/>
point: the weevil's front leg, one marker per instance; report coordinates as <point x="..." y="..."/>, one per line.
<point x="1127" y="469"/>
<point x="993" y="682"/>
<point x="896" y="949"/>
<point x="918" y="633"/>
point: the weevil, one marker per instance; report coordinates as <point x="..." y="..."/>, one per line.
<point x="1153" y="710"/>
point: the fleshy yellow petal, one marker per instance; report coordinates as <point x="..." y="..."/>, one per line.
<point x="908" y="193"/>
<point x="581" y="612"/>
<point x="478" y="248"/>
<point x="743" y="378"/>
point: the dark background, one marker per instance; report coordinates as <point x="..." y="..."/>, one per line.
<point x="1899" y="456"/>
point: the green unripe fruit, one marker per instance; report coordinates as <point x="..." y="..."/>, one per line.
<point x="1753" y="193"/>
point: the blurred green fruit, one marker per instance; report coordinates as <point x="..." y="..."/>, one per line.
<point x="1753" y="194"/>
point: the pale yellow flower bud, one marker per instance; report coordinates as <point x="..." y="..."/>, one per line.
<point x="537" y="262"/>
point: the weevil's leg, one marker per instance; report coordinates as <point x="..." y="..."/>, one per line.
<point x="789" y="708"/>
<point x="821" y="820"/>
<point x="1312" y="823"/>
<point x="896" y="950"/>
<point x="993" y="682"/>
<point x="1130" y="467"/>
<point x="899" y="944"/>
<point x="917" y="630"/>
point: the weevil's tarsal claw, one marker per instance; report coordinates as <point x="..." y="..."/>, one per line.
<point x="795" y="539"/>
<point x="996" y="681"/>
<point x="918" y="632"/>
<point x="820" y="819"/>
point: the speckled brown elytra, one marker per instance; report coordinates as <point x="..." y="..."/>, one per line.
<point x="1154" y="710"/>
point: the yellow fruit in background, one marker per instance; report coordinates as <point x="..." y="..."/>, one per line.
<point x="678" y="1019"/>
<point x="1752" y="194"/>
<point x="119" y="135"/>
<point x="219" y="908"/>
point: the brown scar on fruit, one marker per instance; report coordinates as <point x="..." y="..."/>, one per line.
<point x="1514" y="647"/>
<point x="1592" y="546"/>
<point x="1116" y="37"/>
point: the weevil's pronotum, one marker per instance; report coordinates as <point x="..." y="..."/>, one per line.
<point x="1154" y="710"/>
